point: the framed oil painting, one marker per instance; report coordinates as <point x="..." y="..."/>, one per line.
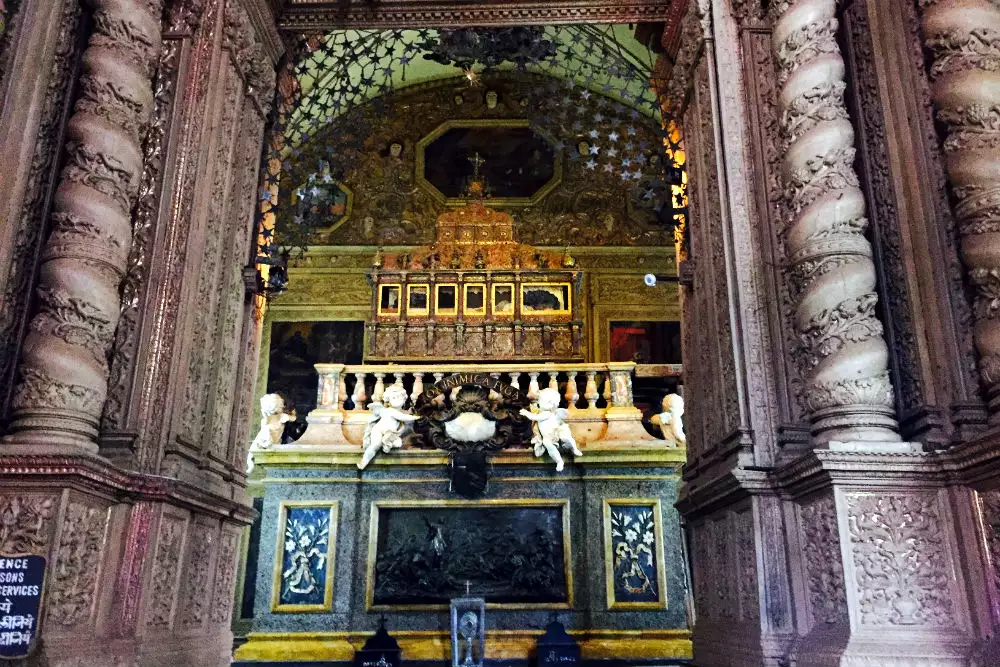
<point x="305" y="556"/>
<point x="646" y="342"/>
<point x="545" y="299"/>
<point x="388" y="299"/>
<point x="514" y="553"/>
<point x="475" y="300"/>
<point x="416" y="299"/>
<point x="446" y="299"/>
<point x="634" y="571"/>
<point x="503" y="299"/>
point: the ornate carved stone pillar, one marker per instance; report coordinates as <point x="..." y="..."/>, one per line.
<point x="64" y="364"/>
<point x="842" y="352"/>
<point x="964" y="38"/>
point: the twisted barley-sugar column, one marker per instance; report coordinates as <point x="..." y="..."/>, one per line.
<point x="64" y="364"/>
<point x="964" y="38"/>
<point x="842" y="351"/>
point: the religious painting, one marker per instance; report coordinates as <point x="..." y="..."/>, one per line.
<point x="646" y="342"/>
<point x="333" y="207"/>
<point x="295" y="347"/>
<point x="446" y="300"/>
<point x="545" y="298"/>
<point x="416" y="299"/>
<point x="304" y="556"/>
<point x="503" y="299"/>
<point x="475" y="300"/>
<point x="516" y="164"/>
<point x="388" y="299"/>
<point x="513" y="553"/>
<point x="634" y="570"/>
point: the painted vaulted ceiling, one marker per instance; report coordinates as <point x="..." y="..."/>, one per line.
<point x="346" y="68"/>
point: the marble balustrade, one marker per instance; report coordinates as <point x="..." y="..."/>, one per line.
<point x="598" y="396"/>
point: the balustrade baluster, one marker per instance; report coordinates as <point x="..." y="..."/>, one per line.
<point x="418" y="386"/>
<point x="342" y="391"/>
<point x="572" y="392"/>
<point x="553" y="380"/>
<point x="379" y="388"/>
<point x="398" y="377"/>
<point x="533" y="387"/>
<point x="359" y="396"/>
<point x="515" y="380"/>
<point x="590" y="392"/>
<point x="607" y="389"/>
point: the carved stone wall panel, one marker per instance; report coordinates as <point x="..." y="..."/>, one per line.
<point x="168" y="553"/>
<point x="199" y="568"/>
<point x="203" y="362"/>
<point x="989" y="510"/>
<point x="233" y="292"/>
<point x="225" y="577"/>
<point x="27" y="204"/>
<point x="193" y="31"/>
<point x="701" y="377"/>
<point x="823" y="567"/>
<point x="766" y="146"/>
<point x="27" y="522"/>
<point x="901" y="560"/>
<point x="745" y="549"/>
<point x="125" y="353"/>
<point x="77" y="568"/>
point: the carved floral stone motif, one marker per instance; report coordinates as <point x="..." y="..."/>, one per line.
<point x="842" y="353"/>
<point x="989" y="507"/>
<point x="901" y="560"/>
<point x="72" y="590"/>
<point x="165" y="571"/>
<point x="195" y="593"/>
<point x="823" y="567"/>
<point x="225" y="578"/>
<point x="26" y="524"/>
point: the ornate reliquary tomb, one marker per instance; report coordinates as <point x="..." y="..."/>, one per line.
<point x="476" y="294"/>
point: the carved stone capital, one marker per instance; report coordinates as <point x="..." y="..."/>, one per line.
<point x="842" y="351"/>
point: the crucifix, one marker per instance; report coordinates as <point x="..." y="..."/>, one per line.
<point x="477" y="162"/>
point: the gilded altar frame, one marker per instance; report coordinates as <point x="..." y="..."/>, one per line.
<point x="331" y="556"/>
<point x="609" y="569"/>
<point x="561" y="503"/>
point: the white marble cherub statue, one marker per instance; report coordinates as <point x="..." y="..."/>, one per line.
<point x="550" y="428"/>
<point x="272" y="422"/>
<point x="386" y="426"/>
<point x="671" y="421"/>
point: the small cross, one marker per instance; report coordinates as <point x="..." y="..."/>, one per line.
<point x="467" y="585"/>
<point x="477" y="162"/>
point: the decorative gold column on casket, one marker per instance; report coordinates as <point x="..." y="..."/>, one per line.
<point x="476" y="294"/>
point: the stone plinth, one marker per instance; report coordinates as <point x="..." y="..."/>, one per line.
<point x="311" y="476"/>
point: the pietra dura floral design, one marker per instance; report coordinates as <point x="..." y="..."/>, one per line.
<point x="303" y="580"/>
<point x="633" y="551"/>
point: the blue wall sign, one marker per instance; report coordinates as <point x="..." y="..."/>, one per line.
<point x="21" y="582"/>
